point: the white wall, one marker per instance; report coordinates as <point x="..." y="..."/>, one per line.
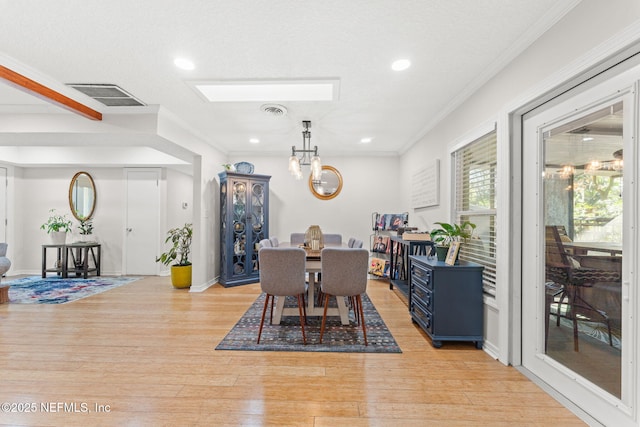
<point x="552" y="58"/>
<point x="179" y="192"/>
<point x="412" y="163"/>
<point x="206" y="161"/>
<point x="370" y="185"/>
<point x="14" y="217"/>
<point x="564" y="43"/>
<point x="210" y="217"/>
<point x="41" y="189"/>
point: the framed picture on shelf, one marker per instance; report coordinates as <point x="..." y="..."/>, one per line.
<point x="377" y="267"/>
<point x="381" y="244"/>
<point x="452" y="254"/>
<point x="390" y="221"/>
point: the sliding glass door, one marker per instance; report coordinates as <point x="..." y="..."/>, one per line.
<point x="578" y="195"/>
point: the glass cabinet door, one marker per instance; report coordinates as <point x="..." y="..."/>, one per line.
<point x="257" y="218"/>
<point x="223" y="227"/>
<point x="239" y="206"/>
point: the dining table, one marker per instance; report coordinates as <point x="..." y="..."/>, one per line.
<point x="313" y="266"/>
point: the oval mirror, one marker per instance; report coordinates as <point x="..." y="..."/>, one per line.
<point x="329" y="185"/>
<point x="82" y="196"/>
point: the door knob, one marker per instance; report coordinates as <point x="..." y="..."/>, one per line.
<point x="129" y="230"/>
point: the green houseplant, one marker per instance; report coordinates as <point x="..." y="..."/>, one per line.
<point x="86" y="227"/>
<point x="447" y="233"/>
<point x="178" y="255"/>
<point x="57" y="226"/>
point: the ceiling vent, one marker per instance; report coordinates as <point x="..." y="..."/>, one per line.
<point x="275" y="110"/>
<point x="108" y="94"/>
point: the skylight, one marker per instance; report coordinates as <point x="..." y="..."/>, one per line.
<point x="275" y="90"/>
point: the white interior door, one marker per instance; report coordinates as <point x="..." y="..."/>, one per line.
<point x="142" y="224"/>
<point x="574" y="179"/>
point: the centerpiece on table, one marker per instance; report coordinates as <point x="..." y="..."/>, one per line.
<point x="313" y="238"/>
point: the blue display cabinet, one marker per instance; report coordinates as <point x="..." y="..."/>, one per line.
<point x="244" y="221"/>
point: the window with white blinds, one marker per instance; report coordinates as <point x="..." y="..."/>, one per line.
<point x="475" y="201"/>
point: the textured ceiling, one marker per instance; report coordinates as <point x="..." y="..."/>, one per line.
<point x="454" y="46"/>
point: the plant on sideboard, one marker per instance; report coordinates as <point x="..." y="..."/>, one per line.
<point x="178" y="255"/>
<point x="447" y="233"/>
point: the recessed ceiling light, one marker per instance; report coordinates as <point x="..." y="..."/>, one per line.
<point x="254" y="140"/>
<point x="587" y="138"/>
<point x="400" y="65"/>
<point x="269" y="90"/>
<point x="366" y="140"/>
<point x="184" y="64"/>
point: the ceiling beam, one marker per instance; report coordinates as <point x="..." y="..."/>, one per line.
<point x="34" y="88"/>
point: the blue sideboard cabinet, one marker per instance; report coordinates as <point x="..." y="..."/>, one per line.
<point x="244" y="221"/>
<point x="446" y="300"/>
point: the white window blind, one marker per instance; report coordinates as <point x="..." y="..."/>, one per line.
<point x="475" y="201"/>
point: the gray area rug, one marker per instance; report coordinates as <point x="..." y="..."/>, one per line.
<point x="287" y="336"/>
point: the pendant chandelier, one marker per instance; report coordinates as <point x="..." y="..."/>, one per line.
<point x="308" y="156"/>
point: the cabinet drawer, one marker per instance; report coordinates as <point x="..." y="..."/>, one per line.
<point x="422" y="294"/>
<point x="422" y="316"/>
<point x="422" y="275"/>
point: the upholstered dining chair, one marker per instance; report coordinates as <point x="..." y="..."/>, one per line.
<point x="344" y="274"/>
<point x="296" y="238"/>
<point x="274" y="241"/>
<point x="282" y="274"/>
<point x="335" y="239"/>
<point x="355" y="243"/>
<point x="264" y="243"/>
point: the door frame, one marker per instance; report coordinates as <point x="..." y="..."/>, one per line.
<point x="620" y="86"/>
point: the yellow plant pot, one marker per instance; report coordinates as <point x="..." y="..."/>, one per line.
<point x="181" y="276"/>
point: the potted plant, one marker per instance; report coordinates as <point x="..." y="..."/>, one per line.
<point x="85" y="227"/>
<point x="448" y="233"/>
<point x="178" y="255"/>
<point x="57" y="226"/>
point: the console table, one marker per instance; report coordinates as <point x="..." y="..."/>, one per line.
<point x="85" y="259"/>
<point x="399" y="254"/>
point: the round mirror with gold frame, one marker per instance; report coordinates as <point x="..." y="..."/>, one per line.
<point x="329" y="185"/>
<point x="82" y="196"/>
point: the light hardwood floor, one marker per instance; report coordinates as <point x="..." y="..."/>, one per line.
<point x="144" y="354"/>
